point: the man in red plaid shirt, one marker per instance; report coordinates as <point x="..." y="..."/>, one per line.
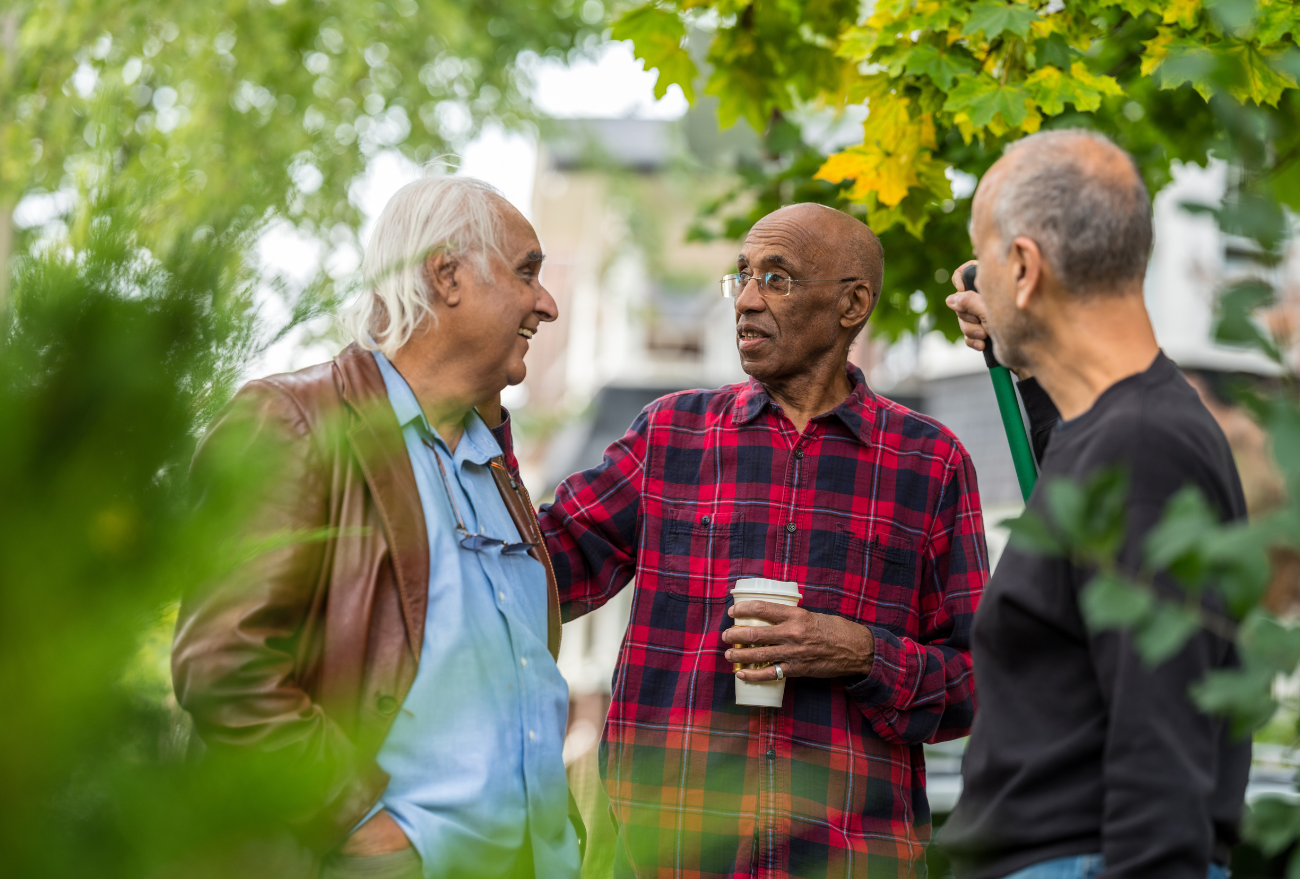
<point x="800" y="474"/>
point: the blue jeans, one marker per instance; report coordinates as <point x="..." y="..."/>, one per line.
<point x="1084" y="867"/>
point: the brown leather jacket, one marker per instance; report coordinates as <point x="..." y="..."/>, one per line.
<point x="308" y="651"/>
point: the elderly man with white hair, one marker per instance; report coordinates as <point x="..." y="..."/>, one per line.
<point x="407" y="658"/>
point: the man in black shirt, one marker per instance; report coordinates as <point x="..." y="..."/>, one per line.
<point x="1083" y="760"/>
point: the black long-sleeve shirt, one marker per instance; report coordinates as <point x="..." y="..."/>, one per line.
<point x="1078" y="747"/>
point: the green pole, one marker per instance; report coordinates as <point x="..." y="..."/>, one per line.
<point x="1022" y="455"/>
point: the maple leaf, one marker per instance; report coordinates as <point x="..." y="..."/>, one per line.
<point x="1157" y="50"/>
<point x="1182" y="12"/>
<point x="1187" y="61"/>
<point x="888" y="123"/>
<point x="982" y="98"/>
<point x="993" y="18"/>
<point x="1275" y="20"/>
<point x="1052" y="88"/>
<point x="941" y="67"/>
<point x="657" y="36"/>
<point x="1256" y="78"/>
<point x="873" y="172"/>
<point x="857" y="43"/>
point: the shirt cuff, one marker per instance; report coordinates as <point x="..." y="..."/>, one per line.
<point x="881" y="685"/>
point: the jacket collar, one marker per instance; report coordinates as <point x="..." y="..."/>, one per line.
<point x="377" y="443"/>
<point x="857" y="412"/>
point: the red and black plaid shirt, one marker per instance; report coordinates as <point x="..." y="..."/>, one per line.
<point x="875" y="511"/>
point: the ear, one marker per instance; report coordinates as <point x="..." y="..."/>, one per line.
<point x="441" y="273"/>
<point x="1027" y="267"/>
<point x="858" y="306"/>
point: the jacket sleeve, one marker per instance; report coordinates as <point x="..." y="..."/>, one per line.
<point x="922" y="690"/>
<point x="238" y="641"/>
<point x="592" y="527"/>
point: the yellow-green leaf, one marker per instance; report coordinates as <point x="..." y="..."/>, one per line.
<point x="1275" y="20"/>
<point x="993" y="18"/>
<point x="1157" y="50"/>
<point x="983" y="97"/>
<point x="657" y="36"/>
<point x="941" y="67"/>
<point x="1182" y="12"/>
<point x="1254" y="77"/>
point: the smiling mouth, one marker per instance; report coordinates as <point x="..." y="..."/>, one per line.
<point x="526" y="333"/>
<point x="748" y="335"/>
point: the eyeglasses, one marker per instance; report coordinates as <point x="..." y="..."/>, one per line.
<point x="771" y="283"/>
<point x="474" y="540"/>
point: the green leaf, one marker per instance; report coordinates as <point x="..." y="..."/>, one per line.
<point x="1067" y="504"/>
<point x="1272" y="823"/>
<point x="941" y="67"/>
<point x="1236" y="319"/>
<point x="1032" y="535"/>
<point x="993" y="19"/>
<point x="1112" y="602"/>
<point x="1165" y="632"/>
<point x="1054" y="51"/>
<point x="1243" y="694"/>
<point x="657" y="36"/>
<point x="982" y="97"/>
<point x="1188" y="62"/>
<point x="1270" y="644"/>
<point x="1275" y="20"/>
<point x="1186" y="518"/>
<point x="1252" y="75"/>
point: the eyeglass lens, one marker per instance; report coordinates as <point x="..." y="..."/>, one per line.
<point x="770" y="282"/>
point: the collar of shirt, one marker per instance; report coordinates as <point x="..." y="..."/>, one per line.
<point x="857" y="412"/>
<point x="477" y="445"/>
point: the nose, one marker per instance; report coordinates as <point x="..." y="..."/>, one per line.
<point x="545" y="306"/>
<point x="750" y="299"/>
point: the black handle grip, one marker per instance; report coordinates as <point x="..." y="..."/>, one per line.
<point x="968" y="280"/>
<point x="968" y="277"/>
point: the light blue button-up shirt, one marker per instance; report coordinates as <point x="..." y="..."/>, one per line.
<point x="475" y="753"/>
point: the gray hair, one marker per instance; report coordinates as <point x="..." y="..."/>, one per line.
<point x="1088" y="210"/>
<point x="460" y="216"/>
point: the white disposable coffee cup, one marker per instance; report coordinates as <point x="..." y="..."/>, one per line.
<point x="766" y="694"/>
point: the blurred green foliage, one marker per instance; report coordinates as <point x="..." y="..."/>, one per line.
<point x="112" y="356"/>
<point x="164" y="138"/>
<point x="255" y="108"/>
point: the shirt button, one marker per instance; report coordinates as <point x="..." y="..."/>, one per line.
<point x="387" y="705"/>
<point x="531" y="735"/>
<point x="524" y="661"/>
<point x="771" y="753"/>
<point x="704" y="520"/>
<point x="790" y="527"/>
<point x="501" y="595"/>
<point x="798" y="453"/>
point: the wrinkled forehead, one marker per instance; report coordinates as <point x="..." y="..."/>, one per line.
<point x="784" y="241"/>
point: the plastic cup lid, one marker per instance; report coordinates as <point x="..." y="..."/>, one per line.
<point x="764" y="586"/>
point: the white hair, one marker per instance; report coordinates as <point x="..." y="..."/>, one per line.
<point x="460" y="216"/>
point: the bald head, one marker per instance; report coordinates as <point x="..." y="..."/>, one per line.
<point x="841" y="245"/>
<point x="1081" y="198"/>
